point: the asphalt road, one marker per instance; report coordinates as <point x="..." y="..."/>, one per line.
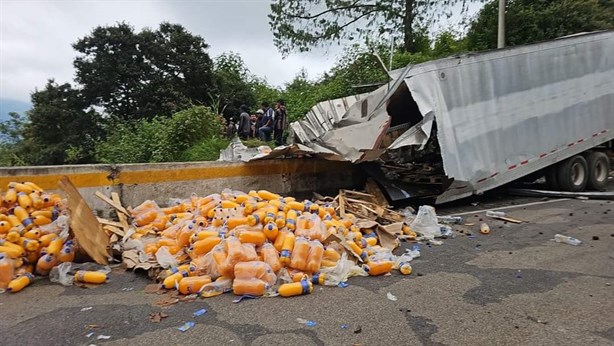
<point x="514" y="286"/>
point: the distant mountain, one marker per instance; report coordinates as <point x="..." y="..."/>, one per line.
<point x="7" y="106"/>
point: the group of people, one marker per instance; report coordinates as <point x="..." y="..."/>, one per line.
<point x="264" y="124"/>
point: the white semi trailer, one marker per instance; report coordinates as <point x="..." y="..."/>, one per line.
<point x="500" y="115"/>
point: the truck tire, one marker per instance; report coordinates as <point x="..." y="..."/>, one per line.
<point x="598" y="170"/>
<point x="573" y="174"/>
<point x="552" y="181"/>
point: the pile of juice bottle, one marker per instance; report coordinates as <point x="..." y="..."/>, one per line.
<point x="31" y="237"/>
<point x="247" y="242"/>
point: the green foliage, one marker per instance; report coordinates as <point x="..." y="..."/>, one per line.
<point x="299" y="25"/>
<point x="59" y="119"/>
<point x="206" y="150"/>
<point x="141" y="75"/>
<point x="529" y="21"/>
<point x="255" y="143"/>
<point x="232" y="79"/>
<point x="160" y="139"/>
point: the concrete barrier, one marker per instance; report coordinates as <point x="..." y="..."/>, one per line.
<point x="162" y="181"/>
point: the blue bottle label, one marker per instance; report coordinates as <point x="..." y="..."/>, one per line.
<point x="305" y="286"/>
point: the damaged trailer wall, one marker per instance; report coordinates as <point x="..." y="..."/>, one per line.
<point x="507" y="113"/>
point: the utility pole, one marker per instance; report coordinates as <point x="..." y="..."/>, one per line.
<point x="501" y="33"/>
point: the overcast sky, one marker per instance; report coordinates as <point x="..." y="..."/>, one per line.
<point x="36" y="36"/>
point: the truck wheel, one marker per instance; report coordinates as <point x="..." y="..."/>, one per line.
<point x="552" y="182"/>
<point x="573" y="174"/>
<point x="598" y="170"/>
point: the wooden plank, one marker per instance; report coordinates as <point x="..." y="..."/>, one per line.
<point x="374" y="189"/>
<point x="114" y="230"/>
<point x="107" y="200"/>
<point x="341" y="204"/>
<point x="357" y="193"/>
<point x="109" y="222"/>
<point x="503" y="218"/>
<point x="88" y="232"/>
<point x="123" y="219"/>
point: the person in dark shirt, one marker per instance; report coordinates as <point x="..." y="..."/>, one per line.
<point x="266" y="129"/>
<point x="258" y="124"/>
<point x="279" y="123"/>
<point x="244" y="123"/>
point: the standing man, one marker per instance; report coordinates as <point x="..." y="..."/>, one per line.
<point x="279" y="122"/>
<point x="244" y="123"/>
<point x="266" y="128"/>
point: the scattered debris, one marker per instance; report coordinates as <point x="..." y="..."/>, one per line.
<point x="156" y="317"/>
<point x="186" y="326"/>
<point x="391" y="296"/>
<point x="484" y="228"/>
<point x="595" y="237"/>
<point x="308" y="323"/>
<point x="87" y="309"/>
<point x="89" y="335"/>
<point x="166" y="301"/>
<point x="358" y="330"/>
<point x="244" y="297"/>
<point x="199" y="312"/>
<point x="152" y="288"/>
<point x="343" y="284"/>
<point x="103" y="337"/>
<point x="559" y="238"/>
<point x="344" y="326"/>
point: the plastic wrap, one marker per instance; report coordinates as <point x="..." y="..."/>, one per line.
<point x="425" y="223"/>
<point x="65" y="273"/>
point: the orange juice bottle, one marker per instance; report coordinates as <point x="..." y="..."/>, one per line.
<point x="33" y="234"/>
<point x="46" y="239"/>
<point x="378" y="267"/>
<point x="280" y="219"/>
<point x="279" y="241"/>
<point x="314" y="261"/>
<point x="20" y="283"/>
<point x="221" y="285"/>
<point x="271" y="257"/>
<point x="271" y="231"/>
<point x="253" y="237"/>
<point x="10" y="197"/>
<point x="291" y="217"/>
<point x="5" y="226"/>
<point x="55" y="246"/>
<point x="300" y="254"/>
<point x="24" y="200"/>
<point x="45" y="263"/>
<point x="357" y="249"/>
<point x="257" y="217"/>
<point x="286" y="249"/>
<point x="6" y="271"/>
<point x="202" y="247"/>
<point x="193" y="284"/>
<point x="252" y="269"/>
<point x="68" y="252"/>
<point x="252" y="286"/>
<point x="236" y="221"/>
<point x="91" y="277"/>
<point x="37" y="201"/>
<point x="297" y="206"/>
<point x="331" y="254"/>
<point x="295" y="288"/>
<point x="266" y="195"/>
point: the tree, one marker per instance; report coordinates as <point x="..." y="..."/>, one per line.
<point x="299" y="25"/>
<point x="233" y="80"/>
<point x="141" y="75"/>
<point x="529" y="21"/>
<point x="62" y="127"/>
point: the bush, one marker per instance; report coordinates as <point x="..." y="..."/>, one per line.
<point x="207" y="150"/>
<point x="160" y="139"/>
